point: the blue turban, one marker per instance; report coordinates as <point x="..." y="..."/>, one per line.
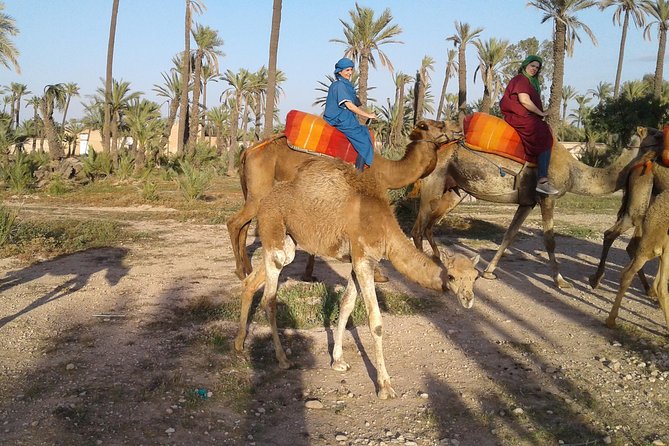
<point x="342" y="64"/>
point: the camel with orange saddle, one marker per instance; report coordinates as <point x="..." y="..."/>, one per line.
<point x="279" y="158"/>
<point x="501" y="178"/>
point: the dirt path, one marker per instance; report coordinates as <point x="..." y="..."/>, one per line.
<point x="106" y="347"/>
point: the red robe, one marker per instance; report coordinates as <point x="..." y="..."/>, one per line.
<point x="534" y="132"/>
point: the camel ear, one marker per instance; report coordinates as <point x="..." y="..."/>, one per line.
<point x="476" y="259"/>
<point x="642" y="131"/>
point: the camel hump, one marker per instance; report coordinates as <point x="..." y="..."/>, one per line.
<point x="311" y="133"/>
<point x="490" y="134"/>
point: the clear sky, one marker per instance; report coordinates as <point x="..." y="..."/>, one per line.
<point x="66" y="41"/>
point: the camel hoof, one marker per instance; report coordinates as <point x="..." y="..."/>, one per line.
<point x="239" y="345"/>
<point x="561" y="283"/>
<point x="340" y="365"/>
<point x="594" y="281"/>
<point x="386" y="392"/>
<point x="285" y="365"/>
<point x="611" y="323"/>
<point x="311" y="279"/>
<point x="489" y="276"/>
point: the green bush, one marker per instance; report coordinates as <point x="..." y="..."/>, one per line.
<point x="97" y="165"/>
<point x="193" y="182"/>
<point x="18" y="174"/>
<point x="126" y="166"/>
<point x="7" y="223"/>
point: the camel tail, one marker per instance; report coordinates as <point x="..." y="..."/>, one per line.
<point x="242" y="172"/>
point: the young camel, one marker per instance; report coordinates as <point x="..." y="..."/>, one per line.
<point x="642" y="182"/>
<point x="263" y="165"/>
<point x="654" y="243"/>
<point x="331" y="210"/>
<point x="478" y="174"/>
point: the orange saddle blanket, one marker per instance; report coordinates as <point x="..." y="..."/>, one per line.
<point x="490" y="134"/>
<point x="311" y="133"/>
<point x="664" y="156"/>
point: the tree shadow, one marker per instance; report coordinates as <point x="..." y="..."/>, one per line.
<point x="88" y="262"/>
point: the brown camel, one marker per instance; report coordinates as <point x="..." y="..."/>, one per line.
<point x="501" y="180"/>
<point x="654" y="243"/>
<point x="331" y="210"/>
<point x="642" y="182"/>
<point x="262" y="166"/>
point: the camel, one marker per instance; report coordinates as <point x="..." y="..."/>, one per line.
<point x="484" y="176"/>
<point x="266" y="163"/>
<point x="647" y="179"/>
<point x="654" y="243"/>
<point x="331" y="210"/>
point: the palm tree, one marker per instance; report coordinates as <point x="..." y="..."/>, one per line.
<point x="451" y="71"/>
<point x="198" y="7"/>
<point x="270" y="97"/>
<point x="72" y="131"/>
<point x="34" y="102"/>
<point x="565" y="36"/>
<point x="364" y="36"/>
<point x="658" y="10"/>
<point x="602" y="91"/>
<point x="118" y="103"/>
<point x="71" y="89"/>
<point x="106" y="134"/>
<point x="53" y="94"/>
<point x="581" y="110"/>
<point x="209" y="74"/>
<point x="568" y="93"/>
<point x="170" y="90"/>
<point x="143" y="120"/>
<point x="239" y="84"/>
<point x="17" y="90"/>
<point x="491" y="55"/>
<point x="635" y="89"/>
<point x="401" y="80"/>
<point x="624" y="9"/>
<point x="422" y="84"/>
<point x="208" y="43"/>
<point x="218" y="116"/>
<point x="462" y="37"/>
<point x="8" y="52"/>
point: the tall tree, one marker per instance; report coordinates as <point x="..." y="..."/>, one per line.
<point x="401" y="80"/>
<point x="170" y="90"/>
<point x="53" y="94"/>
<point x="198" y="7"/>
<point x="34" y="102"/>
<point x="565" y="35"/>
<point x="208" y="43"/>
<point x="270" y="96"/>
<point x="209" y="74"/>
<point x="449" y="72"/>
<point x="8" y="52"/>
<point x="363" y="37"/>
<point x="462" y="37"/>
<point x="71" y="89"/>
<point x="143" y="121"/>
<point x="602" y="91"/>
<point x="421" y="85"/>
<point x="658" y="10"/>
<point x="624" y="10"/>
<point x="491" y="54"/>
<point x="17" y="90"/>
<point x="119" y="100"/>
<point x="239" y="84"/>
<point x="106" y="128"/>
<point x="568" y="93"/>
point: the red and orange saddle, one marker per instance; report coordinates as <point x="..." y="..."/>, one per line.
<point x="490" y="134"/>
<point x="311" y="133"/>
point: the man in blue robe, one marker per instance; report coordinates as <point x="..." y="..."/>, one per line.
<point x="341" y="108"/>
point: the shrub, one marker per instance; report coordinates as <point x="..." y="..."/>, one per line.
<point x="19" y="174"/>
<point x="7" y="223"/>
<point x="193" y="182"/>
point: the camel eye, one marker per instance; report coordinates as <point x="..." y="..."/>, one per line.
<point x="451" y="278"/>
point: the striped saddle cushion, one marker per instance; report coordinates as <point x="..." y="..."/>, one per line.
<point x="311" y="133"/>
<point x="490" y="134"/>
<point x="664" y="158"/>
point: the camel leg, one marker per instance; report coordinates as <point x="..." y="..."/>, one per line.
<point x="308" y="275"/>
<point x="660" y="283"/>
<point x="518" y="218"/>
<point x="275" y="260"/>
<point x="631" y="249"/>
<point x="610" y="235"/>
<point x="238" y="226"/>
<point x="625" y="280"/>
<point x="346" y="305"/>
<point x="365" y="276"/>
<point x="547" y="207"/>
<point x="446" y="204"/>
<point x="251" y="284"/>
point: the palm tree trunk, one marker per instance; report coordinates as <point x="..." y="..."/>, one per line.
<point x="657" y="85"/>
<point x="171" y="117"/>
<point x="419" y="97"/>
<point x="270" y="96"/>
<point x="232" y="152"/>
<point x="204" y="110"/>
<point x="55" y="147"/>
<point x="558" y="73"/>
<point x="364" y="75"/>
<point x="621" y="54"/>
<point x="195" y="106"/>
<point x="67" y="105"/>
<point x="442" y="98"/>
<point x="462" y="78"/>
<point x="185" y="75"/>
<point x="108" y="77"/>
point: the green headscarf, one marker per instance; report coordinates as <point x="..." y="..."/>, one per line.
<point x="534" y="80"/>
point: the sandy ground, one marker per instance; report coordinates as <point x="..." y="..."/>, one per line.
<point x="101" y="347"/>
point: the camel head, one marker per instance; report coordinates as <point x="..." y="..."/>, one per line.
<point x="646" y="139"/>
<point x="460" y="274"/>
<point x="438" y="132"/>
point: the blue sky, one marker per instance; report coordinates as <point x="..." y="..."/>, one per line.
<point x="66" y="41"/>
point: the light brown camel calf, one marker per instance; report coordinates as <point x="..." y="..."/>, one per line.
<point x="642" y="182"/>
<point x="263" y="165"/>
<point x="331" y="210"/>
<point x="654" y="243"/>
<point x="460" y="169"/>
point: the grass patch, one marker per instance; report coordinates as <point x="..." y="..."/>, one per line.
<point x="580" y="232"/>
<point x="608" y="204"/>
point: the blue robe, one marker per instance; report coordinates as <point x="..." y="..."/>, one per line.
<point x="337" y="115"/>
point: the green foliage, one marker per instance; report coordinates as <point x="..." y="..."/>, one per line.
<point x="39" y="158"/>
<point x="205" y="155"/>
<point x="57" y="185"/>
<point x="126" y="165"/>
<point x="621" y="116"/>
<point x="97" y="165"/>
<point x="7" y="220"/>
<point x="18" y="174"/>
<point x="150" y="191"/>
<point x="193" y="182"/>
